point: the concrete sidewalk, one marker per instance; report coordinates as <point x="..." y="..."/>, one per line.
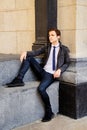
<point x="60" y="122"/>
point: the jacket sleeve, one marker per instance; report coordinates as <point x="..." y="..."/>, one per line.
<point x="36" y="52"/>
<point x="66" y="60"/>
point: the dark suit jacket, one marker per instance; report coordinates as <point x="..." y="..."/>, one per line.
<point x="63" y="58"/>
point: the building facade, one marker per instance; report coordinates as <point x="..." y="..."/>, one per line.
<point x="23" y="22"/>
<point x="24" y="25"/>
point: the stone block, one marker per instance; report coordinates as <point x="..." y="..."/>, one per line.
<point x="9" y="67"/>
<point x="22" y="105"/>
<point x="24" y="41"/>
<point x="4" y="4"/>
<point x="24" y="4"/>
<point x="68" y="14"/>
<point x="66" y="3"/>
<point x="73" y="99"/>
<point x="8" y="42"/>
<point x="73" y="90"/>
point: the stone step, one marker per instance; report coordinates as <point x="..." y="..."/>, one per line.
<point x="22" y="105"/>
<point x="9" y="66"/>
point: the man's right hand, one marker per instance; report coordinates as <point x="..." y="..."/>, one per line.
<point x="23" y="56"/>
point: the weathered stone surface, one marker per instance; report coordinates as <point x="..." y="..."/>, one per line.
<point x="21" y="105"/>
<point x="76" y="73"/>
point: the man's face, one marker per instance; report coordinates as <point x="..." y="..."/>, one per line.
<point x="53" y="38"/>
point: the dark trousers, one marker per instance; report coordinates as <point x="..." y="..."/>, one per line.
<point x="46" y="79"/>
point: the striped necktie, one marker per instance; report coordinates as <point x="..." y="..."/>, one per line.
<point x="53" y="59"/>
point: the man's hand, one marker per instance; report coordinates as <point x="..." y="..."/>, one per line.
<point x="57" y="73"/>
<point x="23" y="56"/>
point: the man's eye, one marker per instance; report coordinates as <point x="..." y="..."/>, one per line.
<point x="51" y="35"/>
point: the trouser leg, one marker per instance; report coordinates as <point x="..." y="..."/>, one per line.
<point x="45" y="82"/>
<point x="30" y="61"/>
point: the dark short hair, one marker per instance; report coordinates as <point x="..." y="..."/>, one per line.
<point x="56" y="30"/>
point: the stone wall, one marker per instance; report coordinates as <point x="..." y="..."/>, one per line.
<point x="72" y="23"/>
<point x="67" y="23"/>
<point x="17" y="25"/>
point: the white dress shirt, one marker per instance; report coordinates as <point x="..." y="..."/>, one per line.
<point x="48" y="66"/>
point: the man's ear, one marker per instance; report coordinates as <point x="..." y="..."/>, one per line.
<point x="58" y="37"/>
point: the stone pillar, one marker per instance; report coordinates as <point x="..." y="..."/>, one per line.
<point x="45" y="17"/>
<point x="73" y="86"/>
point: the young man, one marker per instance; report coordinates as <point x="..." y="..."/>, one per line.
<point x="56" y="61"/>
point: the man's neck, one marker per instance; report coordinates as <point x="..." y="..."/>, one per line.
<point x="55" y="44"/>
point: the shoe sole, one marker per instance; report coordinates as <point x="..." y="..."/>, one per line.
<point x="15" y="85"/>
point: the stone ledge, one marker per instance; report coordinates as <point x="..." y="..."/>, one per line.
<point x="21" y="105"/>
<point x="9" y="66"/>
<point x="9" y="57"/>
<point x="75" y="75"/>
<point x="73" y="90"/>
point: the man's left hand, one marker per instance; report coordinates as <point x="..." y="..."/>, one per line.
<point x="57" y="73"/>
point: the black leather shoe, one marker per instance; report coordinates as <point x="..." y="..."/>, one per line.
<point x="47" y="118"/>
<point x="15" y="83"/>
